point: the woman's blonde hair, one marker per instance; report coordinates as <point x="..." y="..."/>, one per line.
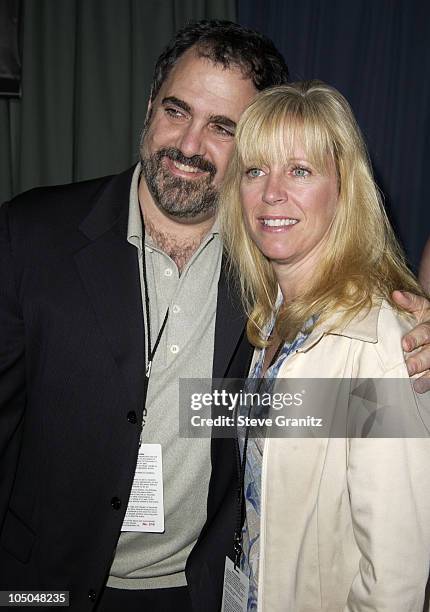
<point x="362" y="259"/>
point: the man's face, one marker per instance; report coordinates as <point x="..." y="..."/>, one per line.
<point x="189" y="139"/>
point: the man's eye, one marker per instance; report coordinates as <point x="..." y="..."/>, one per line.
<point x="254" y="173"/>
<point x="174" y="113"/>
<point x="223" y="131"/>
<point x="300" y="172"/>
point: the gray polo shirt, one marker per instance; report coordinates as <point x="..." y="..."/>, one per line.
<point x="157" y="560"/>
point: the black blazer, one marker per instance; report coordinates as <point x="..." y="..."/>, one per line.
<point x="71" y="380"/>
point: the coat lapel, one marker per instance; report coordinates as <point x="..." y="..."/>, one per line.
<point x="230" y="323"/>
<point x="109" y="269"/>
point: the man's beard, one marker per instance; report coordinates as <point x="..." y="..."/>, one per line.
<point x="179" y="197"/>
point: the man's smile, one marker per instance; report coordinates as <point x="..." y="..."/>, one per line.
<point x="183" y="170"/>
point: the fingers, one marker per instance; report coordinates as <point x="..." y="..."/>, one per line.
<point x="419" y="337"/>
<point x="422" y="384"/>
<point x="419" y="362"/>
<point x="415" y="304"/>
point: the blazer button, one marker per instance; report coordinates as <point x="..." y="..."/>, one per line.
<point x="115" y="502"/>
<point x="92" y="595"/>
<point x="131" y="417"/>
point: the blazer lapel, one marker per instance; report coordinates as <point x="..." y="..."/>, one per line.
<point x="109" y="269"/>
<point x="230" y="323"/>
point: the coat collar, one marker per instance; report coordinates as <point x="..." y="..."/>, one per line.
<point x="110" y="209"/>
<point x="363" y="326"/>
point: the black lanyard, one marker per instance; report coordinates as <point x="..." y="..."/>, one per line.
<point x="149" y="351"/>
<point x="240" y="468"/>
<point x="240" y="504"/>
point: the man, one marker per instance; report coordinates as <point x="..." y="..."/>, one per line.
<point x="110" y="291"/>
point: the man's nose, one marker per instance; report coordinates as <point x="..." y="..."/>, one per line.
<point x="191" y="140"/>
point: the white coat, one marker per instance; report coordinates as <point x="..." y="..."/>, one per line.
<point x="345" y="522"/>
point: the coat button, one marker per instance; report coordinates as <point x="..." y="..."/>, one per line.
<point x="131" y="417"/>
<point x="115" y="502"/>
<point x="92" y="595"/>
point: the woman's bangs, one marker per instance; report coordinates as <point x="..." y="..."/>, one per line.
<point x="309" y="139"/>
<point x="261" y="138"/>
<point x="273" y="135"/>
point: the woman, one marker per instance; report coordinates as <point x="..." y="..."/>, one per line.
<point x="332" y="524"/>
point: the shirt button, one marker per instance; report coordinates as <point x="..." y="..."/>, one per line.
<point x="131" y="417"/>
<point x="174" y="348"/>
<point x="168" y="272"/>
<point x="149" y="249"/>
<point x="176" y="309"/>
<point x="92" y="595"/>
<point x="115" y="502"/>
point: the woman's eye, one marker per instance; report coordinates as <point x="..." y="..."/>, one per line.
<point x="300" y="172"/>
<point x="254" y="172"/>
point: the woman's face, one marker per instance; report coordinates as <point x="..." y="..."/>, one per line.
<point x="288" y="209"/>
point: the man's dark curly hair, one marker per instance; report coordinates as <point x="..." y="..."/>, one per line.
<point x="228" y="44"/>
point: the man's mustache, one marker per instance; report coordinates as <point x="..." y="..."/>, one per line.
<point x="196" y="161"/>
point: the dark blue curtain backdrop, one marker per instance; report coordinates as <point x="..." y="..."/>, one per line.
<point x="377" y="53"/>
